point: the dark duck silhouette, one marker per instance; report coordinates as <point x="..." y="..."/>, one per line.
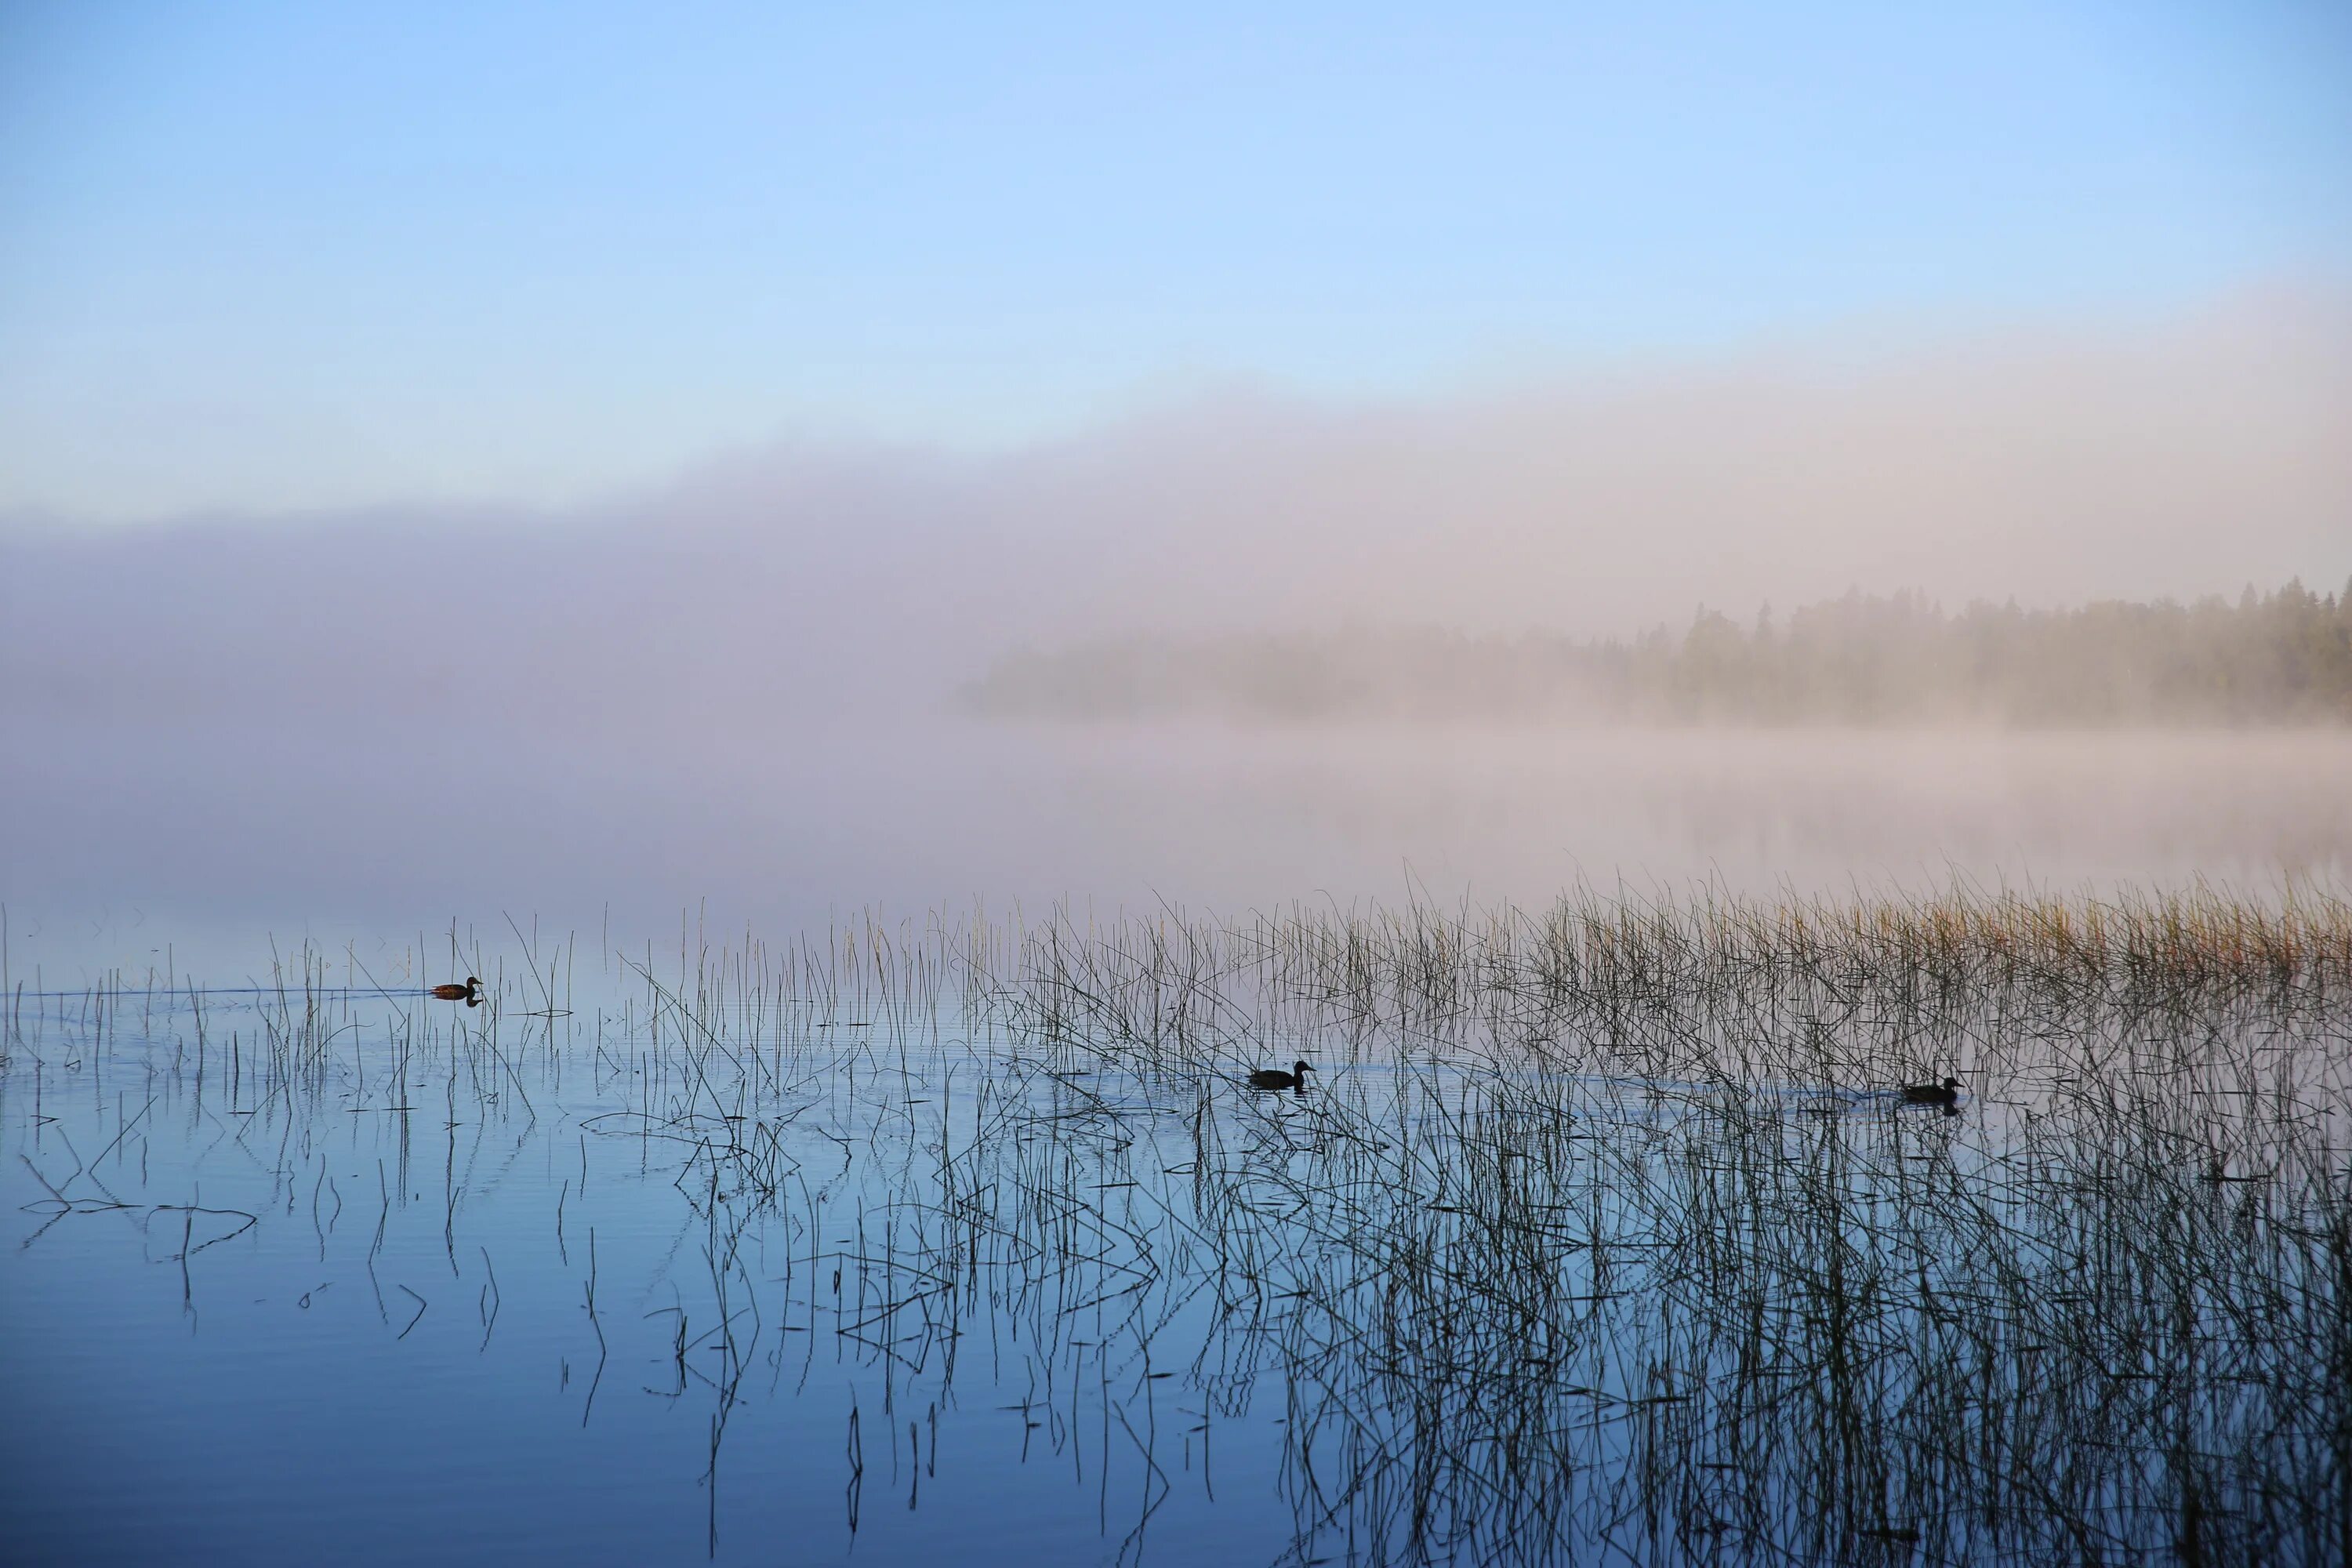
<point x="1273" y="1078"/>
<point x="470" y="992"/>
<point x="1943" y="1093"/>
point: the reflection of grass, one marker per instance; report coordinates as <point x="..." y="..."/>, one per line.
<point x="1601" y="1233"/>
<point x="1608" y="1233"/>
<point x="1614" y="1239"/>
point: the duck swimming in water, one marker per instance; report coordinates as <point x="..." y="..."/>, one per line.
<point x="1273" y="1078"/>
<point x="470" y="992"/>
<point x="1943" y="1093"/>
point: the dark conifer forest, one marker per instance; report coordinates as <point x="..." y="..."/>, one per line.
<point x="2279" y="658"/>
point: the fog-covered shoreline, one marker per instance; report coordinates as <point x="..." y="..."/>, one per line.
<point x="2278" y="659"/>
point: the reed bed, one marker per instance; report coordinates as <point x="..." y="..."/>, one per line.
<point x="1603" y="1231"/>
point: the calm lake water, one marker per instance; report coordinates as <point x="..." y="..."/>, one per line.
<point x="197" y="843"/>
<point x="798" y="1235"/>
<point x="968" y="1244"/>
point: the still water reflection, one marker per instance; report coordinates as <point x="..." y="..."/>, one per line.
<point x="1606" y="1231"/>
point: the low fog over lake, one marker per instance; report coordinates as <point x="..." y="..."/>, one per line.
<point x="743" y="687"/>
<point x="194" y="832"/>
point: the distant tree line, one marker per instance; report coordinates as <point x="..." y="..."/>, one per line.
<point x="2283" y="657"/>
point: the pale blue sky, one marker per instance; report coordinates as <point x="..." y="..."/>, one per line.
<point x="290" y="255"/>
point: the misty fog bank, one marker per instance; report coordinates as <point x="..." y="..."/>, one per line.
<point x="2174" y="459"/>
<point x="732" y="694"/>
<point x="127" y="836"/>
<point x="2284" y="657"/>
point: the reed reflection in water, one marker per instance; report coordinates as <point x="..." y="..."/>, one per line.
<point x="1605" y="1229"/>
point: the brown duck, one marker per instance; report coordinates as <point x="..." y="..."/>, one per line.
<point x="1943" y="1093"/>
<point x="470" y="992"/>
